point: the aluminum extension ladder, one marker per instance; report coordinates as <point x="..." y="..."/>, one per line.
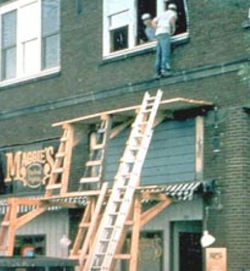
<point x="127" y="178"/>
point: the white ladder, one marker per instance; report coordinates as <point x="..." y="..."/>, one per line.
<point x="126" y="180"/>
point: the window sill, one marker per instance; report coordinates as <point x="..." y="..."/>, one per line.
<point x="142" y="49"/>
<point x="31" y="78"/>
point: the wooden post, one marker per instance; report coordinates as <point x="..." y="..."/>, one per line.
<point x="12" y="227"/>
<point x="67" y="160"/>
<point x="134" y="251"/>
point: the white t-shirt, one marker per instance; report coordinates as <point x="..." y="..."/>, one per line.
<point x="163" y="22"/>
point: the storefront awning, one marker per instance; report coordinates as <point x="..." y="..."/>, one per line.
<point x="180" y="191"/>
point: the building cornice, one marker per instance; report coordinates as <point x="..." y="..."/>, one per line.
<point x="178" y="77"/>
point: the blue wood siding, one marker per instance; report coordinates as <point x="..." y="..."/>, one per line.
<point x="170" y="158"/>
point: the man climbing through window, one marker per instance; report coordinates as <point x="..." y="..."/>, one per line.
<point x="165" y="27"/>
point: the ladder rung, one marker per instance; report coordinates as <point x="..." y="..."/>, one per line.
<point x="60" y="155"/>
<point x="98" y="147"/>
<point x="84" y="225"/>
<point x="89" y="179"/>
<point x="57" y="170"/>
<point x="113" y="214"/>
<point x="94" y="163"/>
<point x="53" y="186"/>
<point x="104" y="240"/>
<point x="101" y="130"/>
<point x="108" y="227"/>
<point x="100" y="254"/>
<point x="148" y="110"/>
<point x="150" y="104"/>
<point x="151" y="98"/>
<point x="5" y="223"/>
<point x="63" y="139"/>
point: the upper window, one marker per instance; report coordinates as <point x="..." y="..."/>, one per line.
<point x="30" y="37"/>
<point x="123" y="28"/>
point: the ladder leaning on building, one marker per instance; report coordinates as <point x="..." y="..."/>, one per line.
<point x="116" y="209"/>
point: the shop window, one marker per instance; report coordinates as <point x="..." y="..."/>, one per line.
<point x="124" y="29"/>
<point x="38" y="242"/>
<point x="150" y="251"/>
<point x="30" y="38"/>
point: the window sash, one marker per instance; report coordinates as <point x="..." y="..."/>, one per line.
<point x="132" y="24"/>
<point x="22" y="52"/>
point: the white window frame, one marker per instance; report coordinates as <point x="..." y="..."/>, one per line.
<point x="132" y="32"/>
<point x="20" y="75"/>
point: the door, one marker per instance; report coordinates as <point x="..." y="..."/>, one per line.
<point x="186" y="252"/>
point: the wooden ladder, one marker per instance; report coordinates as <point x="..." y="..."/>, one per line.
<point x="110" y="230"/>
<point x="12" y="221"/>
<point x="59" y="177"/>
<point x="94" y="167"/>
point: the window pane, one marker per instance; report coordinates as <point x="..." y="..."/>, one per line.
<point x="9" y="63"/>
<point x="119" y="19"/>
<point x="50" y="16"/>
<point x="116" y="6"/>
<point x="119" y="39"/>
<point x="29" y="24"/>
<point x="31" y="56"/>
<point x="9" y="29"/>
<point x="51" y="52"/>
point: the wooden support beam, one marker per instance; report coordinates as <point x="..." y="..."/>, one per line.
<point x="50" y="203"/>
<point x="22" y="220"/>
<point x="164" y="104"/>
<point x="12" y="227"/>
<point x="28" y="202"/>
<point x="147" y="195"/>
<point x="155" y="210"/>
<point x="134" y="250"/>
<point x="118" y="129"/>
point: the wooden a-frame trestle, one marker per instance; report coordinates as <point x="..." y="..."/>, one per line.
<point x="12" y="221"/>
<point x="137" y="218"/>
<point x="97" y="200"/>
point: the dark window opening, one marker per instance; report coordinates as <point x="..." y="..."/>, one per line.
<point x="119" y="39"/>
<point x="181" y="24"/>
<point x="35" y="241"/>
<point x="79" y="7"/>
<point x="144" y="6"/>
<point x="190" y="251"/>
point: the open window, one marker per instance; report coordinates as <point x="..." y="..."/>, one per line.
<point x="124" y="30"/>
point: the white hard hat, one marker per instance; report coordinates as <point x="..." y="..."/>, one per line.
<point x="145" y="16"/>
<point x="172" y="6"/>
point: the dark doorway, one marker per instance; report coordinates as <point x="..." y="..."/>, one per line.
<point x="190" y="251"/>
<point x="186" y="252"/>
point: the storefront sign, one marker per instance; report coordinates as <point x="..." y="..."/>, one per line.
<point x="216" y="259"/>
<point x="33" y="168"/>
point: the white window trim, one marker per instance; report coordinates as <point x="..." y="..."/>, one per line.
<point x="15" y="5"/>
<point x="132" y="48"/>
<point x="42" y="73"/>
